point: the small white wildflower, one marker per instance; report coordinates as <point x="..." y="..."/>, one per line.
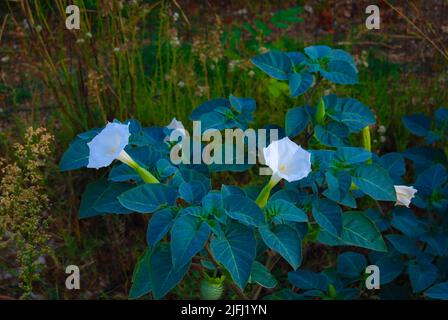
<point x="38" y="28"/>
<point x="308" y="9"/>
<point x="116" y="49"/>
<point x="89" y="35"/>
<point x="175" y="16"/>
<point x="181" y="84"/>
<point x="80" y="41"/>
<point x="383" y="139"/>
<point x="232" y="64"/>
<point x="251" y="73"/>
<point x="5" y="59"/>
<point x="381" y="129"/>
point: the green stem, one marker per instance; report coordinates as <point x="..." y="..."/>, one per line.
<point x="320" y="112"/>
<point x="143" y="173"/>
<point x="146" y="175"/>
<point x="263" y="197"/>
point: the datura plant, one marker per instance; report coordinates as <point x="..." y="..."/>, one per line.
<point x="326" y="192"/>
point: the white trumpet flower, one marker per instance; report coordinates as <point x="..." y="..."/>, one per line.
<point x="287" y="160"/>
<point x="404" y="195"/>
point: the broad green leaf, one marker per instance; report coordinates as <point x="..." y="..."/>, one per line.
<point x="141" y="282"/>
<point x="244" y="210"/>
<point x="352" y="155"/>
<point x="207" y="107"/>
<point x="76" y="156"/>
<point x="316" y="52"/>
<point x="276" y="64"/>
<point x="162" y="275"/>
<point x="393" y="162"/>
<point x="349" y="111"/>
<point x="328" y="215"/>
<point x="284" y="240"/>
<point x="296" y="120"/>
<point x="213" y="204"/>
<point x="93" y="191"/>
<point x="299" y="83"/>
<point x="403" y="244"/>
<point x="231" y="190"/>
<point x="148" y="198"/>
<point x="297" y="58"/>
<point x="122" y="172"/>
<point x="108" y="200"/>
<point x="438" y="291"/>
<point x="351" y="264"/>
<point x="242" y="104"/>
<point x="340" y="72"/>
<point x="165" y="168"/>
<point x="359" y="230"/>
<point x="404" y="220"/>
<point x="193" y="191"/>
<point x="391" y="268"/>
<point x="159" y="225"/>
<point x="188" y="237"/>
<point x="338" y="185"/>
<point x="282" y="210"/>
<point x="236" y="251"/>
<point x="261" y="275"/>
<point x="417" y="124"/>
<point x="422" y="275"/>
<point x="333" y="135"/>
<point x="308" y="280"/>
<point x="341" y="55"/>
<point x="374" y="181"/>
<point x="431" y="178"/>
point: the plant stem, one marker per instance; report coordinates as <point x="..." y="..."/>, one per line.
<point x="263" y="197"/>
<point x="271" y="261"/>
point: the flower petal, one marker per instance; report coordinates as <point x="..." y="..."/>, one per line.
<point x="108" y="144"/>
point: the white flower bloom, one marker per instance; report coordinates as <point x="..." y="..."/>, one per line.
<point x="89" y="35"/>
<point x="404" y="195"/>
<point x="175" y="126"/>
<point x="287" y="160"/>
<point x="109" y="145"/>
